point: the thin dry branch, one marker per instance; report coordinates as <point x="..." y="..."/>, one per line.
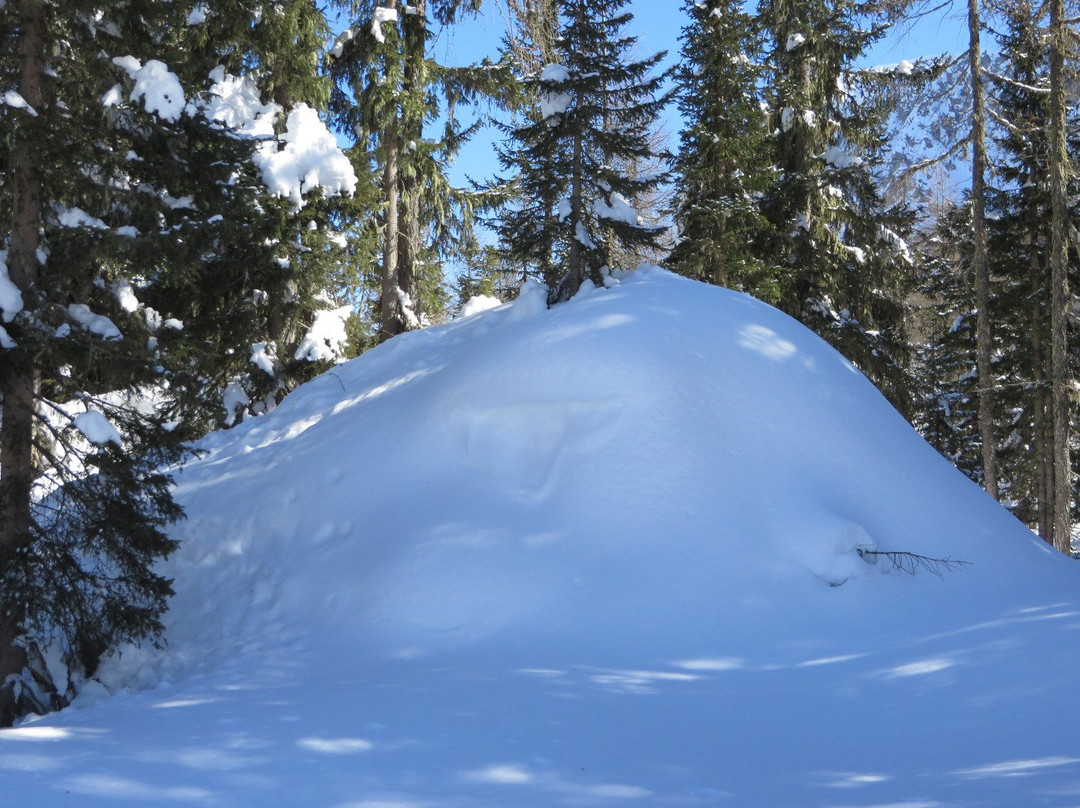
<point x="911" y="563"/>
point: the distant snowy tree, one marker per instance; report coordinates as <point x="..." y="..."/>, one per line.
<point x="1019" y="249"/>
<point x="571" y="162"/>
<point x="725" y="163"/>
<point x="844" y="266"/>
<point x="388" y="92"/>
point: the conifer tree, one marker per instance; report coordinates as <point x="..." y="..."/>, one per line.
<point x="843" y="263"/>
<point x="299" y="272"/>
<point x="91" y="214"/>
<point x="1018" y="229"/>
<point x="725" y="163"/>
<point x="137" y="226"/>
<point x="572" y="161"/>
<point x="388" y="91"/>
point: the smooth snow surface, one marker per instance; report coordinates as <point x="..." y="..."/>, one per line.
<point x="604" y="554"/>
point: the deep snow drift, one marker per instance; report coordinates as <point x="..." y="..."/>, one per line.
<point x="603" y="554"/>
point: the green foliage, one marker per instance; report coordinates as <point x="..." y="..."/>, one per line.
<point x="725" y="163"/>
<point x="87" y="582"/>
<point x="388" y="93"/>
<point x="573" y="166"/>
<point x="843" y="266"/>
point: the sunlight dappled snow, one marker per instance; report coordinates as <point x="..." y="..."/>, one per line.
<point x="602" y="554"/>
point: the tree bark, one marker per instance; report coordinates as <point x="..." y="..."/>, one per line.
<point x="413" y="91"/>
<point x="575" y="264"/>
<point x="1059" y="224"/>
<point x="19" y="380"/>
<point x="390" y="307"/>
<point x="1041" y="420"/>
<point x="391" y="324"/>
<point x="979" y="260"/>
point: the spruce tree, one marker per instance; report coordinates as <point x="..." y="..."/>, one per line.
<point x="573" y="161"/>
<point x="844" y="267"/>
<point x="725" y="163"/>
<point x="140" y="227"/>
<point x="90" y="215"/>
<point x="1022" y="249"/>
<point x="299" y="272"/>
<point x="388" y="92"/>
<point x="1019" y="242"/>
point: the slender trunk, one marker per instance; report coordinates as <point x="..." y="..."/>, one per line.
<point x="575" y="269"/>
<point x="19" y="381"/>
<point x="390" y="307"/>
<point x="1059" y="370"/>
<point x="979" y="260"/>
<point x="412" y="130"/>
<point x="1041" y="422"/>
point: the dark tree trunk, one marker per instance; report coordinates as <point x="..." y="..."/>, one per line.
<point x="390" y="307"/>
<point x="1059" y="296"/>
<point x="412" y="131"/>
<point x="979" y="261"/>
<point x="19" y="378"/>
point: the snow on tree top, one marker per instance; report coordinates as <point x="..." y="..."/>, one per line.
<point x="310" y="159"/>
<point x="381" y="15"/>
<point x="94" y="323"/>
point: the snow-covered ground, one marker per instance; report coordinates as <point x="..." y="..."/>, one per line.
<point x="605" y="554"/>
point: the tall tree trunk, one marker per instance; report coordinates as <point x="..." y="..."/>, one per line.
<point x="19" y="380"/>
<point x="979" y="261"/>
<point x="391" y="324"/>
<point x="390" y="306"/>
<point x="1041" y="418"/>
<point x="575" y="270"/>
<point x="412" y="131"/>
<point x="1059" y="233"/>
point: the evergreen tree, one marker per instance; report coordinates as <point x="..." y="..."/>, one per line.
<point x="947" y="401"/>
<point x="387" y="92"/>
<point x="1018" y="229"/>
<point x="299" y="273"/>
<point x="725" y="163"/>
<point x="1022" y="248"/>
<point x="89" y="205"/>
<point x="140" y="229"/>
<point x="844" y="267"/>
<point x="572" y="162"/>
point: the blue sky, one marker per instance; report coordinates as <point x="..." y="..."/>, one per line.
<point x="658" y="24"/>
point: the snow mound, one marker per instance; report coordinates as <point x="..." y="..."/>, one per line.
<point x="661" y="460"/>
<point x="626" y="550"/>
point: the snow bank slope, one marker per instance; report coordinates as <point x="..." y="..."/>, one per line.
<point x="658" y="459"/>
<point x="598" y="554"/>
